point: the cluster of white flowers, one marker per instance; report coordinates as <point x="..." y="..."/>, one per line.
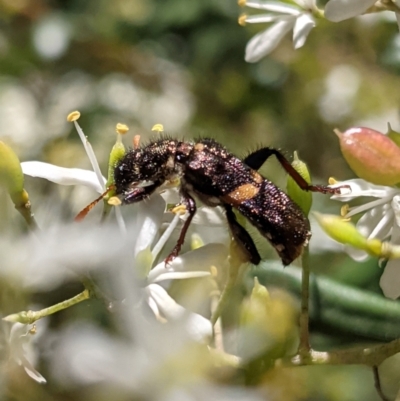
<point x="299" y="16"/>
<point x="381" y="220"/>
<point x="134" y="252"/>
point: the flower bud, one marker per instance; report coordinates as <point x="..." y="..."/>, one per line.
<point x="372" y="155"/>
<point x="268" y="325"/>
<point x="11" y="176"/>
<point x="117" y="153"/>
<point x="301" y="197"/>
<point x="20" y="317"/>
<point x="341" y="230"/>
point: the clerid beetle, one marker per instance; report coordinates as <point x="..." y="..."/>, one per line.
<point x="207" y="171"/>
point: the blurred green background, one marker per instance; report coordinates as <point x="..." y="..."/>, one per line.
<point x="180" y="63"/>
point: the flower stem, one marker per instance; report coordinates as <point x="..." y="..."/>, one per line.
<point x="304" y="347"/>
<point x="227" y="291"/>
<point x="370" y="356"/>
<point x="29" y="317"/>
<point x="26" y="212"/>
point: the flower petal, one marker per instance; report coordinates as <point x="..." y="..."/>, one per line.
<point x="376" y="223"/>
<point x="266" y="41"/>
<point x="168" y="275"/>
<point x="360" y="187"/>
<point x="396" y="209"/>
<point x="262" y="18"/>
<point x="149" y="216"/>
<point x="210" y="216"/>
<point x="197" y="326"/>
<point x="390" y="279"/>
<point x="32" y="372"/>
<point x="200" y="259"/>
<point x="306" y="4"/>
<point x="275" y="7"/>
<point x="301" y="29"/>
<point x="339" y="10"/>
<point x="62" y="175"/>
<point x="91" y="155"/>
<point x="356" y="254"/>
<point x="20" y="336"/>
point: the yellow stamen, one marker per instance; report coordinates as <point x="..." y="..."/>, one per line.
<point x="332" y="181"/>
<point x="180" y="209"/>
<point x="196" y="241"/>
<point x="344" y="210"/>
<point x="242" y="20"/>
<point x="73" y="116"/>
<point x="121" y="128"/>
<point x="158" y="128"/>
<point x="114" y="201"/>
<point x="242" y="3"/>
<point x="213" y="271"/>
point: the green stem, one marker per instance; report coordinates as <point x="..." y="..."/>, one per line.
<point x="338" y="305"/>
<point x="106" y="211"/>
<point x="30" y="317"/>
<point x="26" y="212"/>
<point x="227" y="291"/>
<point x="370" y="356"/>
<point x="304" y="346"/>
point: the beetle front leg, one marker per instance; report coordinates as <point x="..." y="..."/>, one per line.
<point x="190" y="204"/>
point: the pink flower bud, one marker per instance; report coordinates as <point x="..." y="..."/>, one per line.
<point x="371" y="155"/>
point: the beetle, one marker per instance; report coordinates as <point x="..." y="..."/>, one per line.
<point x="208" y="172"/>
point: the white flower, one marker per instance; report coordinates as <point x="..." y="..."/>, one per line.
<point x="192" y="264"/>
<point x="339" y="10"/>
<point x="381" y="220"/>
<point x="297" y="17"/>
<point x="20" y="350"/>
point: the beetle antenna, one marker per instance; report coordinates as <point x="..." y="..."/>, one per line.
<point x="83" y="213"/>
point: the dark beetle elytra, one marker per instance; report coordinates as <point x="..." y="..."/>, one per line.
<point x="218" y="178"/>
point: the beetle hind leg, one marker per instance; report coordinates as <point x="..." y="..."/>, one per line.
<point x="242" y="237"/>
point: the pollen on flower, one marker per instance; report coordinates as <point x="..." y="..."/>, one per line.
<point x="196" y="241"/>
<point x="121" y="128"/>
<point x="114" y="201"/>
<point x="213" y="271"/>
<point x="73" y="116"/>
<point x="180" y="209"/>
<point x="175" y="182"/>
<point x="242" y="3"/>
<point x="332" y="181"/>
<point x="242" y="20"/>
<point x="158" y="128"/>
<point x="344" y="210"/>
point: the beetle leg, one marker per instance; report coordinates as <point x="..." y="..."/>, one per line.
<point x="242" y="237"/>
<point x="190" y="204"/>
<point x="256" y="159"/>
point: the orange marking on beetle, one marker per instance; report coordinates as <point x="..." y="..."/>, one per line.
<point x="257" y="177"/>
<point x="240" y="194"/>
